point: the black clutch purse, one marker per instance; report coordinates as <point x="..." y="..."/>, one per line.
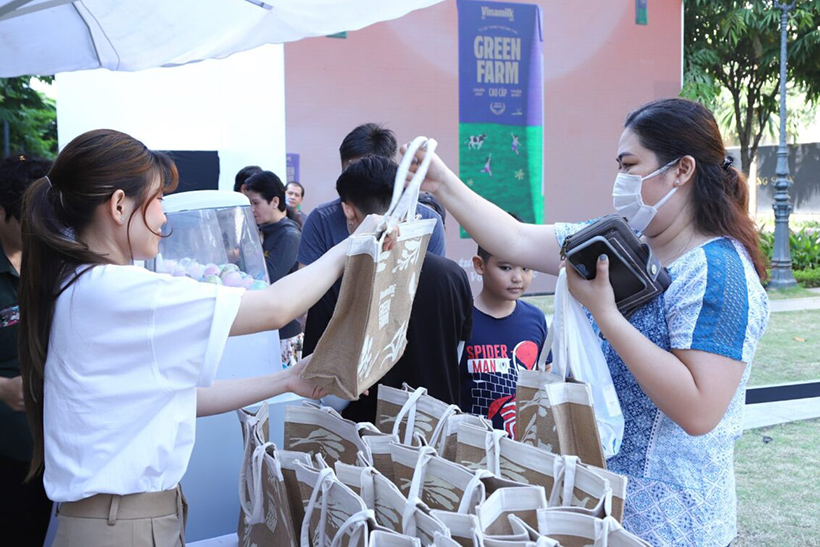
<point x="635" y="273"/>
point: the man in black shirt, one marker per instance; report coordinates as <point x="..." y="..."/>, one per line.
<point x="442" y="314"/>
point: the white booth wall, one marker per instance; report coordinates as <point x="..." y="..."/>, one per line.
<point x="235" y="106"/>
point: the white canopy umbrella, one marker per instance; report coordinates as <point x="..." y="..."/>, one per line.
<point x="48" y="36"/>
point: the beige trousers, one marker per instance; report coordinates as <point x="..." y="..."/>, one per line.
<point x="150" y="519"/>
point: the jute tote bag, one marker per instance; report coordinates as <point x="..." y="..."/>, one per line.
<point x="266" y="518"/>
<point x="334" y="515"/>
<point x="567" y="482"/>
<point x="391" y="507"/>
<point x="254" y="424"/>
<point x="368" y="331"/>
<point x="577" y="530"/>
<point x="408" y="411"/>
<point x="321" y="430"/>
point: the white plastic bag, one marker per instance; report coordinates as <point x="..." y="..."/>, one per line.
<point x="577" y="353"/>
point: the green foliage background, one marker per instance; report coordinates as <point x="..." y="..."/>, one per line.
<point x="732" y="63"/>
<point x="30" y="116"/>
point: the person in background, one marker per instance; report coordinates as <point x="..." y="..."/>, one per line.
<point x="428" y="199"/>
<point x="244" y="174"/>
<point x="280" y="242"/>
<point x="681" y="361"/>
<point x="508" y="336"/>
<point x="25" y="509"/>
<point x="441" y="318"/>
<point x="327" y="225"/>
<point x="295" y="193"/>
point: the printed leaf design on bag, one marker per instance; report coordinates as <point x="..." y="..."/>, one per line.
<point x="512" y="471"/>
<point x="388" y="516"/>
<point x="436" y="493"/>
<point x="475" y="466"/>
<point x="588" y="502"/>
<point x="424" y="424"/>
<point x="328" y="442"/>
<point x="381" y="263"/>
<point x="396" y="345"/>
<point x="367" y="360"/>
<point x="272" y="514"/>
<point x="336" y="515"/>
<point x="410" y="253"/>
<point x="540" y="401"/>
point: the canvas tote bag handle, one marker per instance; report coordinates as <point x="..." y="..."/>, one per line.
<point x="435" y="436"/>
<point x="469" y="492"/>
<point x="357" y="524"/>
<point x="323" y="484"/>
<point x="408" y="409"/>
<point x="404" y="201"/>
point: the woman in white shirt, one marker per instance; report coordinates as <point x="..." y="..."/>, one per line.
<point x="118" y="361"/>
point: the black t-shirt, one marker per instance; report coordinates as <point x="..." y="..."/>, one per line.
<point x="442" y="318"/>
<point x="15" y="436"/>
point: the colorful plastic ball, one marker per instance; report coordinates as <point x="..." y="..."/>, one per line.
<point x="232" y="279"/>
<point x="229" y="268"/>
<point x="258" y="285"/>
<point x="195" y="270"/>
<point x="179" y="271"/>
<point x="247" y="282"/>
<point x="212" y="279"/>
<point x="211" y="269"/>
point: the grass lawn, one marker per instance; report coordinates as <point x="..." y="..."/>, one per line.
<point x="788" y="352"/>
<point x="777" y="485"/>
<point x="793" y="292"/>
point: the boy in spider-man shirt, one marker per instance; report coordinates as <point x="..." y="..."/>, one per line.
<point x="508" y="336"/>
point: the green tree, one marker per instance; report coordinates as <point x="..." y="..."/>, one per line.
<point x="734" y="45"/>
<point x="28" y="119"/>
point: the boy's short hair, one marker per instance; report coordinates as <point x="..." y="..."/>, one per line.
<point x="367" y="184"/>
<point x="293" y="182"/>
<point x="244" y="174"/>
<point x="369" y="139"/>
<point x="483" y="253"/>
<point x="17" y="172"/>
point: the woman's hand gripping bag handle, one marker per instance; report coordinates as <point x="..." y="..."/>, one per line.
<point x="577" y="354"/>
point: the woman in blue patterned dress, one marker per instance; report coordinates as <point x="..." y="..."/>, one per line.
<point x="681" y="362"/>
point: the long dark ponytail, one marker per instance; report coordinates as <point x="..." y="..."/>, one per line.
<point x="672" y="128"/>
<point x="56" y="210"/>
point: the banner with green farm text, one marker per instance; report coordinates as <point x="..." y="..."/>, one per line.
<point x="501" y="104"/>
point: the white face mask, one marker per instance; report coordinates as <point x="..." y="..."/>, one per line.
<point x="628" y="202"/>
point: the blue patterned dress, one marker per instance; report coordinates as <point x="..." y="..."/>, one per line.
<point x="681" y="489"/>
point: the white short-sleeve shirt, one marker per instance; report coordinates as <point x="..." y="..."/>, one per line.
<point x="128" y="349"/>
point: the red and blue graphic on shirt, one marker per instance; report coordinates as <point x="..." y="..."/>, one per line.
<point x="494" y="372"/>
